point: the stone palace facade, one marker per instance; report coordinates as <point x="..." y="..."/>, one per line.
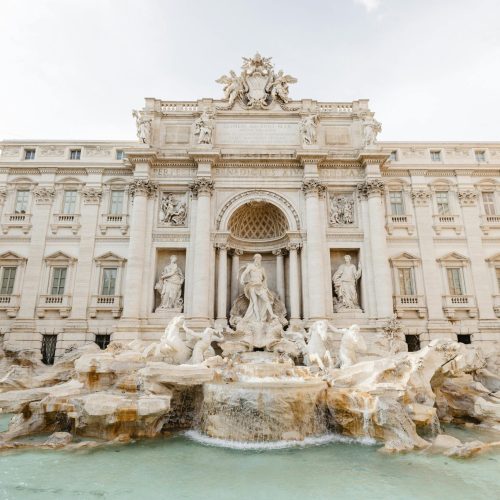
<point x="103" y="239"/>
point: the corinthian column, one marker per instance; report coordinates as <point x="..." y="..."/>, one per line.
<point x="294" y="283"/>
<point x="202" y="189"/>
<point x="280" y="274"/>
<point x="235" y="269"/>
<point x="222" y="285"/>
<point x="315" y="249"/>
<point x="373" y="189"/>
<point x="139" y="190"/>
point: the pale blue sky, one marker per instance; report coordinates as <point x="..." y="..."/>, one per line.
<point x="74" y="69"/>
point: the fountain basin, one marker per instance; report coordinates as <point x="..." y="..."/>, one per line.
<point x="264" y="410"/>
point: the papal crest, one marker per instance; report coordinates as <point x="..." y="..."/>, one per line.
<point x="258" y="85"/>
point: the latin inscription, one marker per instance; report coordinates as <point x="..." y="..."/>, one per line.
<point x="257" y="133"/>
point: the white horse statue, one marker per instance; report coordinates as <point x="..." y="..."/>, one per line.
<point x="317" y="352"/>
<point x="174" y="344"/>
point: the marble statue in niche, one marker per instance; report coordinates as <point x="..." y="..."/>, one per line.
<point x="342" y="210"/>
<point x="254" y="282"/>
<point x="173" y="210"/>
<point x="203" y="128"/>
<point x="344" y="281"/>
<point x="308" y="129"/>
<point x="169" y="286"/>
<point x="143" y="127"/>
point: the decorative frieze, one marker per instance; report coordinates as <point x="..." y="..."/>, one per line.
<point x="52" y="151"/>
<point x="142" y="187"/>
<point x="313" y="186"/>
<point x="467" y="197"/>
<point x="421" y="196"/>
<point x="91" y="195"/>
<point x="203" y="185"/>
<point x="371" y="187"/>
<point x="341" y="210"/>
<point x="43" y="195"/>
<point x="173" y="210"/>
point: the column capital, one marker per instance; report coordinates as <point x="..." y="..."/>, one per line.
<point x="236" y="251"/>
<point x="371" y="187"/>
<point x="467" y="197"/>
<point x="44" y="195"/>
<point x="142" y="187"/>
<point x="278" y="251"/>
<point x="202" y="185"/>
<point x="222" y="246"/>
<point x="293" y="246"/>
<point x="91" y="195"/>
<point x="421" y="196"/>
<point x="313" y="187"/>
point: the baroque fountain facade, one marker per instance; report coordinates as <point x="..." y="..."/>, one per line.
<point x="292" y="258"/>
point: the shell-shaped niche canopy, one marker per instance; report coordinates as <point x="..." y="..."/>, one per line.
<point x="258" y="220"/>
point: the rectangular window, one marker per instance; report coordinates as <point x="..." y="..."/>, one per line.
<point x="22" y="198"/>
<point x="406" y="281"/>
<point x="464" y="338"/>
<point x="8" y="278"/>
<point x="489" y="203"/>
<point x="480" y="156"/>
<point x="397" y="206"/>
<point x="119" y="154"/>
<point x="455" y="281"/>
<point x="436" y="155"/>
<point x="116" y="203"/>
<point x="108" y="281"/>
<point x="69" y="202"/>
<point x="29" y="154"/>
<point x="75" y="154"/>
<point x="58" y="280"/>
<point x="393" y="156"/>
<point x="443" y="202"/>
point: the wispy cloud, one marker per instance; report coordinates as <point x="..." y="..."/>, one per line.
<point x="369" y="5"/>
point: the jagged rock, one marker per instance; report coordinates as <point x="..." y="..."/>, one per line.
<point x="58" y="440"/>
<point x="444" y="443"/>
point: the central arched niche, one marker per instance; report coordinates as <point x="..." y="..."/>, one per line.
<point x="258" y="221"/>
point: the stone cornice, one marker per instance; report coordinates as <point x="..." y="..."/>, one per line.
<point x="311" y="157"/>
<point x="373" y="158"/>
<point x="208" y="157"/>
<point x="141" y="156"/>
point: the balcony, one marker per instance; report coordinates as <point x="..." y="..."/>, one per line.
<point x="454" y="303"/>
<point x="109" y="303"/>
<point x="404" y="303"/>
<point x="399" y="222"/>
<point x="10" y="304"/>
<point x="119" y="221"/>
<point x="69" y="221"/>
<point x="20" y="221"/>
<point x="446" y="221"/>
<point x="496" y="304"/>
<point x="489" y="222"/>
<point x="61" y="303"/>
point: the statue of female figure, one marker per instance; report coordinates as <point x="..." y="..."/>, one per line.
<point x="170" y="285"/>
<point x="344" y="280"/>
<point x="254" y="281"/>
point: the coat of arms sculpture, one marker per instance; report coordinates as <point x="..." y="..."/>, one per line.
<point x="258" y="85"/>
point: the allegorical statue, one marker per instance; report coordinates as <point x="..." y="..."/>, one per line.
<point x="344" y="281"/>
<point x="307" y="128"/>
<point x="170" y="285"/>
<point x="254" y="282"/>
<point x="370" y="131"/>
<point x="143" y="127"/>
<point x="203" y="128"/>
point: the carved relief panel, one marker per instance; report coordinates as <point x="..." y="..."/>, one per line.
<point x="341" y="209"/>
<point x="173" y="210"/>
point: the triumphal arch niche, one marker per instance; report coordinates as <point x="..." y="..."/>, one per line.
<point x="257" y="186"/>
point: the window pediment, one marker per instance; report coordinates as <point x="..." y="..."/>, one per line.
<point x="110" y="258"/>
<point x="59" y="258"/>
<point x="453" y="258"/>
<point x="11" y="258"/>
<point x="494" y="259"/>
<point x="405" y="258"/>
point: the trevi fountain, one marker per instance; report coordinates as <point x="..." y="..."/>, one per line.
<point x="289" y="378"/>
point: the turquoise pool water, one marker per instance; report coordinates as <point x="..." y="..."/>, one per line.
<point x="181" y="468"/>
